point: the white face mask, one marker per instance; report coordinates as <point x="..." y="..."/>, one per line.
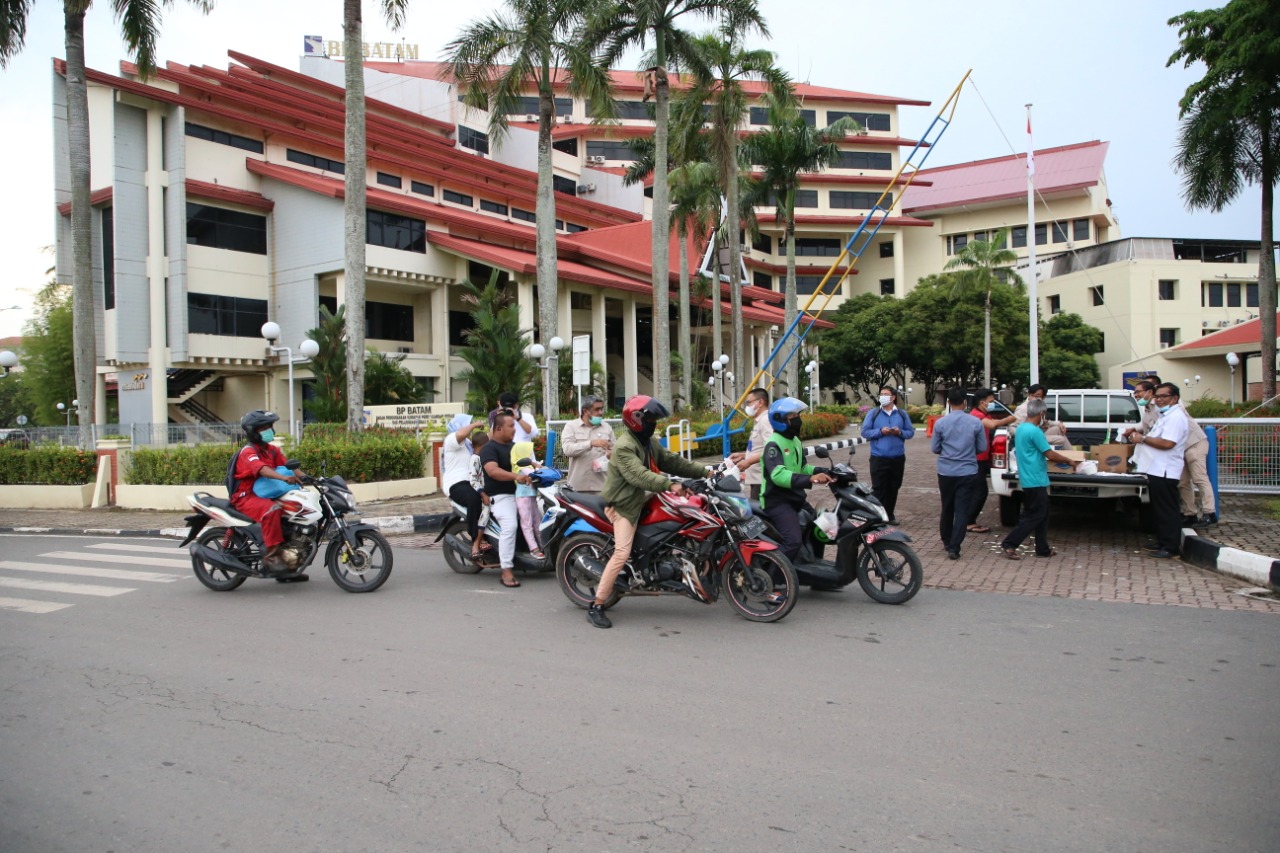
<point x="884" y="401"/>
<point x="752" y="410"/>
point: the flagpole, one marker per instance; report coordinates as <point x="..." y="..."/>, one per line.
<point x="1032" y="297"/>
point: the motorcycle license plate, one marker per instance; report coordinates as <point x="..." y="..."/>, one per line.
<point x="878" y="534"/>
<point x="751" y="528"/>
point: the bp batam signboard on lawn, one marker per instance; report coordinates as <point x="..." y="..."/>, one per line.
<point x="427" y="416"/>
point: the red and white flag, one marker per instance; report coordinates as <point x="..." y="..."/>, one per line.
<point x="1031" y="151"/>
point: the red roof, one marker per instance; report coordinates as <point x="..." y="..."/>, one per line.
<point x="526" y="263"/>
<point x="1245" y="337"/>
<point x="1057" y="170"/>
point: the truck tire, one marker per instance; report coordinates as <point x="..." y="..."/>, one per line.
<point x="1010" y="509"/>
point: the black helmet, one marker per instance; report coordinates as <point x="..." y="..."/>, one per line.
<point x="256" y="421"/>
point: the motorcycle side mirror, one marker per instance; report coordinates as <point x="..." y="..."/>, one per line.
<point x="524" y="462"/>
<point x="822" y="452"/>
<point x="293" y="464"/>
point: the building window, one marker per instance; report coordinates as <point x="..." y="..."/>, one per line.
<point x="1102" y="341"/>
<point x="869" y="121"/>
<point x="634" y="110"/>
<point x="580" y="301"/>
<point x="980" y="235"/>
<point x="1096" y="294"/>
<point x="232" y="316"/>
<point x="858" y="200"/>
<point x="808" y="283"/>
<point x="1233" y="295"/>
<point x="493" y="207"/>
<point x="386" y="321"/>
<point x="1055" y="304"/>
<point x="763" y="243"/>
<point x="525" y="215"/>
<point x="760" y="117"/>
<point x="1018" y="235"/>
<point x="566" y="146"/>
<point x="561" y="184"/>
<point x="395" y="232"/>
<point x="221" y="137"/>
<point x="610" y="150"/>
<point x="1166" y="289"/>
<point x="476" y="140"/>
<point x="529" y="105"/>
<point x="864" y="160"/>
<point x="390" y="180"/>
<point x="886" y="287"/>
<point x="559" y="225"/>
<point x="218" y="228"/>
<point x="823" y="247"/>
<point x="422" y="189"/>
<point x="806" y="198"/>
<point x="575" y="229"/>
<point x="481" y="274"/>
<point x="460" y="322"/>
<point x="1042" y="234"/>
<point x="108" y="259"/>
<point x="459" y="198"/>
<point x="1168" y="338"/>
<point x="1059" y="232"/>
<point x="316" y="161"/>
<point x="762" y="279"/>
<point x="886" y="249"/>
<point x="1251" y="295"/>
<point x="1080" y="230"/>
<point x="956" y="243"/>
<point x="1211" y="295"/>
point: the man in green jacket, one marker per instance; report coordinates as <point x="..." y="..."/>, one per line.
<point x="635" y="473"/>
<point x="786" y="476"/>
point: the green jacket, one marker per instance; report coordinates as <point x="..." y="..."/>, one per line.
<point x="630" y="481"/>
<point x="784" y="472"/>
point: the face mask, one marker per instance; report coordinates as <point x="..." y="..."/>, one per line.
<point x="646" y="432"/>
<point x="884" y="401"/>
<point x="596" y="420"/>
<point x="1142" y="401"/>
<point x="752" y="410"/>
<point x="1163" y="409"/>
<point x="793" y="428"/>
<point x="267" y="435"/>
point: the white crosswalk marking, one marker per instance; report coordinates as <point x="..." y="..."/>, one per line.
<point x="175" y="562"/>
<point x="143" y="549"/>
<point x="73" y="588"/>
<point x="28" y="606"/>
<point x="86" y="571"/>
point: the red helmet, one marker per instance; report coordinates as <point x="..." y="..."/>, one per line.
<point x="640" y="410"/>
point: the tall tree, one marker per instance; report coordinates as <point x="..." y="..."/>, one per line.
<point x="494" y="61"/>
<point x="140" y="27"/>
<point x="619" y="26"/>
<point x="724" y="67"/>
<point x="1230" y="133"/>
<point x="984" y="264"/>
<point x="354" y="228"/>
<point x="46" y="352"/>
<point x="785" y="151"/>
<point x="495" y="347"/>
<point x="328" y="403"/>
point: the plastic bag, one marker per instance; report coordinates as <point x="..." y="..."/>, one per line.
<point x="272" y="489"/>
<point x="600" y="464"/>
<point x="1089" y="466"/>
<point x="827" y="525"/>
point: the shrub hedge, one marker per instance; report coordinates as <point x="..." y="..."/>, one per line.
<point x="47" y="466"/>
<point x="370" y="458"/>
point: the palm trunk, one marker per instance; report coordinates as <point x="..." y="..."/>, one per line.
<point x="790" y="309"/>
<point x="354" y="213"/>
<point x="683" y="345"/>
<point x="661" y="234"/>
<point x="738" y="359"/>
<point x="717" y="322"/>
<point x="84" y="335"/>
<point x="986" y="342"/>
<point x="548" y="285"/>
<point x="1267" y="272"/>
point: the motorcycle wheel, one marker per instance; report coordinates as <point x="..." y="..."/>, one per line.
<point x="765" y="591"/>
<point x="365" y="572"/>
<point x="458" y="527"/>
<point x="217" y="578"/>
<point x="578" y="585"/>
<point x="890" y="572"/>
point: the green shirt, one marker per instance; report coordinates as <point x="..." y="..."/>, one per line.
<point x="630" y="480"/>
<point x="784" y="471"/>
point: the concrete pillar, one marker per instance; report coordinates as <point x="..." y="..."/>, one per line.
<point x="439" y="307"/>
<point x="156" y="180"/>
<point x="630" y="355"/>
<point x="599" y="351"/>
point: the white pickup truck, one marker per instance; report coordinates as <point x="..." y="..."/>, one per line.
<point x="1091" y="416"/>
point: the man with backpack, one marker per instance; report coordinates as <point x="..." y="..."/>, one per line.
<point x="259" y="459"/>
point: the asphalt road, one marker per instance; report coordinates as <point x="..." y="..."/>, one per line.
<point x="445" y="713"/>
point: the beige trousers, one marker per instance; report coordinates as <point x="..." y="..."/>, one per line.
<point x="624" y="533"/>
<point x="1195" y="472"/>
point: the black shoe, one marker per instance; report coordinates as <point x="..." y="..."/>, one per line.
<point x="1207" y="520"/>
<point x="595" y="615"/>
<point x="1163" y="554"/>
<point x="1189" y="520"/>
<point x="953" y="553"/>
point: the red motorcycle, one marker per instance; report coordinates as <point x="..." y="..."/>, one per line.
<point x="695" y="545"/>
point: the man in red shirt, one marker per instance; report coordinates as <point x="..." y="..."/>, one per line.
<point x="260" y="458"/>
<point x="983" y="399"/>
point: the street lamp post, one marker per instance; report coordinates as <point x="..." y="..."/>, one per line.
<point x="719" y="375"/>
<point x="812" y="369"/>
<point x="7" y="361"/>
<point x="547" y="361"/>
<point x="1233" y="361"/>
<point x="62" y="407"/>
<point x="309" y="350"/>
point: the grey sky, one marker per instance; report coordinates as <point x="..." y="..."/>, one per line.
<point x="1094" y="69"/>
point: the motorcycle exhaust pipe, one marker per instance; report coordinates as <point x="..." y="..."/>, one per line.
<point x="462" y="549"/>
<point x="588" y="564"/>
<point x="220" y="559"/>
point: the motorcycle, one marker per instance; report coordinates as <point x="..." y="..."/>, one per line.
<point x="552" y="521"/>
<point x="696" y="545"/>
<point x="358" y="557"/>
<point x="867" y="546"/>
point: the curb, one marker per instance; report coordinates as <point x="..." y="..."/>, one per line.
<point x="393" y="524"/>
<point x="1257" y="569"/>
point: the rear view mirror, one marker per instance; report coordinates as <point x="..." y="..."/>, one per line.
<point x="822" y="452"/>
<point x="293" y="464"/>
<point x="524" y="462"/>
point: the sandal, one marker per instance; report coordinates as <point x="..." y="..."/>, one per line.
<point x="978" y="528"/>
<point x="538" y="554"/>
<point x="509" y="582"/>
<point x="1012" y="553"/>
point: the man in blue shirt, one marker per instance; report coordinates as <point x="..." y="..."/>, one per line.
<point x="886" y="428"/>
<point x="1034" y="453"/>
<point x="957" y="440"/>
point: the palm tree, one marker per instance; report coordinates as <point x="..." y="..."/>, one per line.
<point x="725" y="65"/>
<point x="985" y="264"/>
<point x="623" y="24"/>
<point x="1230" y="134"/>
<point x="495" y="347"/>
<point x="494" y="61"/>
<point x="354" y="199"/>
<point x="140" y="27"/>
<point x="786" y="150"/>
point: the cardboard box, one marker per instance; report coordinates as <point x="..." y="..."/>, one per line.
<point x="1062" y="467"/>
<point x="1112" y="458"/>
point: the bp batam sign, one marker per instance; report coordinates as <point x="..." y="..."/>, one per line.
<point x="429" y="416"/>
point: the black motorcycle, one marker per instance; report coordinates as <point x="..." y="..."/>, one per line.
<point x="867" y="546"/>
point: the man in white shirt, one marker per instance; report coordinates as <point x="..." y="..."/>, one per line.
<point x="1160" y="455"/>
<point x="588" y="444"/>
<point x="455" y="478"/>
<point x="526" y="428"/>
<point x="757" y="407"/>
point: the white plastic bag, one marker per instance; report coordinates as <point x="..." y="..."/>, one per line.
<point x="731" y="469"/>
<point x="828" y="523"/>
<point x="1089" y="466"/>
<point x="600" y="464"/>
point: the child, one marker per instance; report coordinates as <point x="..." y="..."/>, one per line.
<point x="527" y="499"/>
